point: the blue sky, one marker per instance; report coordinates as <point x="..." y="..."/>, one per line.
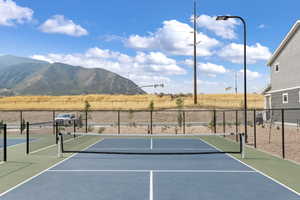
<point x="149" y="41"/>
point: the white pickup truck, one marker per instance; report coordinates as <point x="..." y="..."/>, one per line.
<point x="66" y="119"/>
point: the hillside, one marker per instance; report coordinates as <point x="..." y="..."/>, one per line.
<point x="24" y="76"/>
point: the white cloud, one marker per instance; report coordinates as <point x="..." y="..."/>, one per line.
<point x="173" y="38"/>
<point x="212" y="75"/>
<point x="59" y="24"/>
<point x="224" y="29"/>
<point x="208" y="83"/>
<point x="234" y="53"/>
<point x="154" y="64"/>
<point x="144" y="80"/>
<point x="261" y="26"/>
<point x="251" y="75"/>
<point x="212" y="68"/>
<point x="11" y="13"/>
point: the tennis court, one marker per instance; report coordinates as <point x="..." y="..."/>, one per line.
<point x="151" y="172"/>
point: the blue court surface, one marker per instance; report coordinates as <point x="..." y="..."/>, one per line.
<point x="151" y="177"/>
<point x="12" y="142"/>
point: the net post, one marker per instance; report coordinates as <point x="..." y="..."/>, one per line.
<point x="242" y="144"/>
<point x="282" y="133"/>
<point x="27" y="138"/>
<point x="60" y="146"/>
<point x="5" y="143"/>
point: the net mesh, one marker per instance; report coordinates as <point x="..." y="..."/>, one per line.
<point x="148" y="144"/>
<point x="41" y="136"/>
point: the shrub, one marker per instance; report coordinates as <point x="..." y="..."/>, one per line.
<point x="101" y="129"/>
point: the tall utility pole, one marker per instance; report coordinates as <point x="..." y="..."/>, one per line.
<point x="195" y="53"/>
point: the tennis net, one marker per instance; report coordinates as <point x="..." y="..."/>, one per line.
<point x="158" y="144"/>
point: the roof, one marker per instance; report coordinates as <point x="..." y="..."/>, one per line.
<point x="267" y="89"/>
<point x="285" y="41"/>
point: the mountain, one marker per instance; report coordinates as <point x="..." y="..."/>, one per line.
<point x="8" y="60"/>
<point x="25" y="76"/>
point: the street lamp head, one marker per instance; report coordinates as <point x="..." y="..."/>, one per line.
<point x="222" y="18"/>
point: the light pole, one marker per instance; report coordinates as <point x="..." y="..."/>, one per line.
<point x="245" y="65"/>
<point x="195" y="53"/>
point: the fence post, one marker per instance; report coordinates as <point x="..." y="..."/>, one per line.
<point x="183" y="116"/>
<point x="282" y="134"/>
<point x="236" y="125"/>
<point x="86" y="121"/>
<point x="27" y="137"/>
<point x="215" y="123"/>
<point x="53" y="121"/>
<point x="224" y="122"/>
<point x="254" y="126"/>
<point x="119" y="128"/>
<point x="21" y="122"/>
<point x="151" y="122"/>
<point x="56" y="133"/>
<point x="74" y="128"/>
<point x="5" y="143"/>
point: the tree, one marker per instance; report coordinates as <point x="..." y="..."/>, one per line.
<point x="179" y="104"/>
<point x="151" y="105"/>
<point x="87" y="105"/>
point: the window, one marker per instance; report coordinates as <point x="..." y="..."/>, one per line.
<point x="285" y="98"/>
<point x="276" y="67"/>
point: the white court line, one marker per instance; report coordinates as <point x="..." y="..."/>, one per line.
<point x="151" y="186"/>
<point x="156" y="171"/>
<point x="151" y="143"/>
<point x="258" y="171"/>
<point x="142" y="148"/>
<point x="42" y="172"/>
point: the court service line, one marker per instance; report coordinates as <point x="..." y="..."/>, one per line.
<point x="151" y="186"/>
<point x="151" y="143"/>
<point x="154" y="171"/>
<point x="44" y="171"/>
<point x="258" y="171"/>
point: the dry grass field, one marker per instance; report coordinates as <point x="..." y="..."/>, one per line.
<point x="126" y="102"/>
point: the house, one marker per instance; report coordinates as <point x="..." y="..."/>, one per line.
<point x="284" y="89"/>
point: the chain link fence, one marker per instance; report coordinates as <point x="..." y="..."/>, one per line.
<point x="276" y="131"/>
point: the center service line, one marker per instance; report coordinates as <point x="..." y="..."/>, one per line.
<point x="151" y="186"/>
